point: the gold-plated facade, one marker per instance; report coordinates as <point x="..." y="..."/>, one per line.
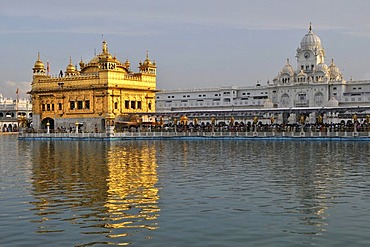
<point x="93" y="96"/>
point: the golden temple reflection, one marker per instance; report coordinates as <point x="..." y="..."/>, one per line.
<point x="131" y="181"/>
<point x="116" y="180"/>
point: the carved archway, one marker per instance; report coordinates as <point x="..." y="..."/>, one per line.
<point x="45" y="121"/>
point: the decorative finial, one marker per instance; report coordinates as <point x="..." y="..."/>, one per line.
<point x="105" y="47"/>
<point x="147" y="54"/>
<point x="70" y="59"/>
<point x="287" y="60"/>
<point x="310" y="29"/>
<point x="38" y="56"/>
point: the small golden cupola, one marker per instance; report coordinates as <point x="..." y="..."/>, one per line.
<point x="70" y="70"/>
<point x="127" y="64"/>
<point x="148" y="67"/>
<point x="82" y="64"/>
<point x="106" y="61"/>
<point x="105" y="56"/>
<point x="38" y="67"/>
<point x="147" y="61"/>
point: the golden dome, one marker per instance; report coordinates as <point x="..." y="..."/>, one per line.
<point x="147" y="60"/>
<point x="82" y="64"/>
<point x="94" y="60"/>
<point x="38" y="64"/>
<point x="70" y="68"/>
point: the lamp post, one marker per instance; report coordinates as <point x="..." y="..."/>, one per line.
<point x="175" y="124"/>
<point x="355" y="122"/>
<point x="213" y="122"/>
<point x="255" y="121"/>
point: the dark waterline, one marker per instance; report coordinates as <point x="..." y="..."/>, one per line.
<point x="184" y="193"/>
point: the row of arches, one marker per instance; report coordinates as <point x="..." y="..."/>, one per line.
<point x="13" y="114"/>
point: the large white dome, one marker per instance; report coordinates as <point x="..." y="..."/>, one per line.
<point x="310" y="41"/>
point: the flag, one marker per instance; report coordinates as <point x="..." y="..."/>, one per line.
<point x="47" y="67"/>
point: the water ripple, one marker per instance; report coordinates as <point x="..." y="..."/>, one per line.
<point x="185" y="193"/>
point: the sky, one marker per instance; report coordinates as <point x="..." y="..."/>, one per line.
<point x="195" y="43"/>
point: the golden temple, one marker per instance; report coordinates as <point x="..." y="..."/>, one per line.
<point x="92" y="98"/>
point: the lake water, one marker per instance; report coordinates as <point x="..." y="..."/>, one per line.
<point x="184" y="193"/>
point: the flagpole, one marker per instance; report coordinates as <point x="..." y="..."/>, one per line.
<point x="16" y="106"/>
<point x="17" y="93"/>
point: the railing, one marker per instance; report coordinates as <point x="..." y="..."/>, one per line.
<point x="168" y="135"/>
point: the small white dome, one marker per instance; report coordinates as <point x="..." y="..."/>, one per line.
<point x="333" y="69"/>
<point x="333" y="102"/>
<point x="268" y="104"/>
<point x="302" y="74"/>
<point x="322" y="67"/>
<point x="288" y="69"/>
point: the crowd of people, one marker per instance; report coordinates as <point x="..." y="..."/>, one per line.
<point x="343" y="126"/>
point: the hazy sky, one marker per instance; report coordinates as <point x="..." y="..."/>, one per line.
<point x="196" y="44"/>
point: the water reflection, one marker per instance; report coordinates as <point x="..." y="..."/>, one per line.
<point x="94" y="189"/>
<point x="311" y="177"/>
<point x="293" y="184"/>
<point x="213" y="193"/>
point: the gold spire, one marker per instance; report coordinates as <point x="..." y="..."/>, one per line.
<point x="70" y="68"/>
<point x="147" y="60"/>
<point x="39" y="64"/>
<point x="127" y="63"/>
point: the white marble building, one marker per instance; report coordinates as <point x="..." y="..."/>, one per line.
<point x="14" y="113"/>
<point x="311" y="84"/>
